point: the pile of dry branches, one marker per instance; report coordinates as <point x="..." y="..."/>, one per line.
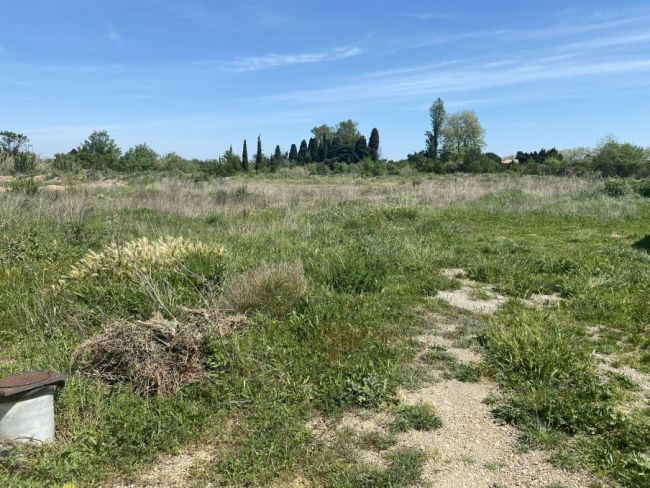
<point x="156" y="356"/>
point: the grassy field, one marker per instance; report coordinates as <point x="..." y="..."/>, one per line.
<point x="333" y="276"/>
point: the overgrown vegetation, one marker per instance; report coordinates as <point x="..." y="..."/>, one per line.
<point x="321" y="338"/>
<point x="454" y="144"/>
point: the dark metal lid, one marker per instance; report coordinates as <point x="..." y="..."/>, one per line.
<point x="24" y="382"/>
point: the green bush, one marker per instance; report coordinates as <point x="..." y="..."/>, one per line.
<point x="24" y="185"/>
<point x="25" y="162"/>
<point x="66" y="162"/>
<point x="642" y="187"/>
<point x="616" y="187"/>
<point x="138" y="158"/>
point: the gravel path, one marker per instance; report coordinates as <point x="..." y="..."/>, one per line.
<point x="172" y="471"/>
<point x="470" y="450"/>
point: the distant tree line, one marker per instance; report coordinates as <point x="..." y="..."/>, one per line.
<point x="329" y="149"/>
<point x="454" y="143"/>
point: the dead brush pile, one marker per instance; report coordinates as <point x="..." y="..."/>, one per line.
<point x="156" y="356"/>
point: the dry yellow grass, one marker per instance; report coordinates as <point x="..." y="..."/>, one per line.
<point x="274" y="289"/>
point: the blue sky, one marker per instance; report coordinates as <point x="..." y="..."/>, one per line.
<point x="195" y="77"/>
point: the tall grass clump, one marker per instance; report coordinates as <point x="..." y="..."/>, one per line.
<point x="549" y="380"/>
<point x="357" y="269"/>
<point x="143" y="276"/>
<point x="544" y="359"/>
<point x="271" y="289"/>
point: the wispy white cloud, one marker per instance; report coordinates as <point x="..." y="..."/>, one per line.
<point x="113" y="36"/>
<point x="277" y="60"/>
<point x="611" y="41"/>
<point x="467" y="79"/>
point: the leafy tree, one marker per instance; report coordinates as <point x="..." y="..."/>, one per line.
<point x="259" y="155"/>
<point x="463" y="135"/>
<point x="313" y="149"/>
<point x="293" y="153"/>
<point x="231" y="161"/>
<point x="323" y="133"/>
<point x="173" y="162"/>
<point x="244" y="157"/>
<point x="99" y="151"/>
<point x="138" y="158"/>
<point x="616" y="159"/>
<point x="361" y="149"/>
<point x="373" y="144"/>
<point x="303" y="153"/>
<point x="12" y="143"/>
<point x="341" y="151"/>
<point x="438" y="116"/>
<point x="347" y="131"/>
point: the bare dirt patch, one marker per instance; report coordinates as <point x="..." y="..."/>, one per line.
<point x="53" y="188"/>
<point x="471" y="449"/>
<point x="104" y="184"/>
<point x="642" y="380"/>
<point x="173" y="471"/>
<point x="483" y="299"/>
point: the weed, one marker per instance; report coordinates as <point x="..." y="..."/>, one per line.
<point x="467" y="373"/>
<point x="415" y="417"/>
<point x="275" y="290"/>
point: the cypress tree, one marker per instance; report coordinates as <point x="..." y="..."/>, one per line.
<point x="361" y="148"/>
<point x="322" y="151"/>
<point x="244" y="157"/>
<point x="373" y="144"/>
<point x="313" y="150"/>
<point x="438" y="117"/>
<point x="259" y="155"/>
<point x="276" y="161"/>
<point x="293" y="153"/>
<point x="303" y="153"/>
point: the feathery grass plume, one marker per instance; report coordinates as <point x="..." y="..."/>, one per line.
<point x="138" y="255"/>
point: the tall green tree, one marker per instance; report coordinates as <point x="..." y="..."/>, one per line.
<point x="463" y="135"/>
<point x="276" y="160"/>
<point x="438" y="115"/>
<point x="244" y="157"/>
<point x="99" y="151"/>
<point x="231" y="161"/>
<point x="361" y="148"/>
<point x="373" y="144"/>
<point x="138" y="158"/>
<point x="12" y="143"/>
<point x="323" y="151"/>
<point x="323" y="133"/>
<point x="293" y="153"/>
<point x="313" y="149"/>
<point x="259" y="155"/>
<point x="616" y="159"/>
<point x="303" y="153"/>
<point x="347" y="131"/>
